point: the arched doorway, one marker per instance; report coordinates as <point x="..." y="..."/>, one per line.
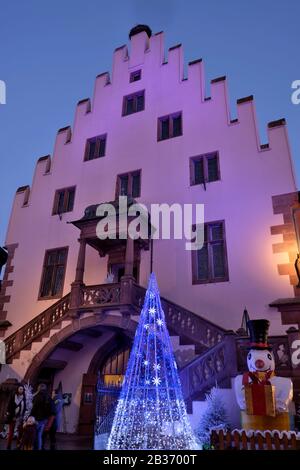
<point x="102" y="383"/>
<point x="63" y="354"/>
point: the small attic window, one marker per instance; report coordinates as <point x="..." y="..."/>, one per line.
<point x="64" y="200"/>
<point x="169" y="126"/>
<point x="135" y="76"/>
<point x="95" y="147"/>
<point x="133" y="103"/>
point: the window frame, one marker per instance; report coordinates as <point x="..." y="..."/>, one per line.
<point x="66" y="200"/>
<point x="135" y="73"/>
<point x="98" y="140"/>
<point x="170" y="118"/>
<point x="130" y="175"/>
<point x="194" y="253"/>
<point x="204" y="158"/>
<point x="135" y="96"/>
<point x="60" y="293"/>
<point x="112" y="363"/>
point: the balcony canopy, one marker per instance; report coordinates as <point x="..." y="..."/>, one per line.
<point x="117" y="226"/>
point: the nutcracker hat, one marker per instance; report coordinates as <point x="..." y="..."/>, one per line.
<point x="258" y="330"/>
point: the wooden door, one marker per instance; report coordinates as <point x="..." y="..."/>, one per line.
<point x="87" y="412"/>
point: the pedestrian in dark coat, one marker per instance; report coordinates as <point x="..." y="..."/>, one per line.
<point x="41" y="411"/>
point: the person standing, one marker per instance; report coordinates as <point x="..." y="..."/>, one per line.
<point x="41" y="411"/>
<point x="15" y="415"/>
<point x="58" y="406"/>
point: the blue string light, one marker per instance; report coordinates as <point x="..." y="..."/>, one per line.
<point x="151" y="412"/>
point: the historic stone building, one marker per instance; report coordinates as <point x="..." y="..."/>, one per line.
<point x="151" y="133"/>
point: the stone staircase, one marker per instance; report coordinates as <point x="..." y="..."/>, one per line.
<point x="19" y="363"/>
<point x="206" y="354"/>
<point x="39" y="328"/>
<point x="192" y="334"/>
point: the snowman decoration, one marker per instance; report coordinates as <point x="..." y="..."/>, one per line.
<point x="262" y="397"/>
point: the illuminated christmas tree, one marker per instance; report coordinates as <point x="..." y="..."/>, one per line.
<point x="151" y="412"/>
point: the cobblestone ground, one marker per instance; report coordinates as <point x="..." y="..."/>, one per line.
<point x="64" y="442"/>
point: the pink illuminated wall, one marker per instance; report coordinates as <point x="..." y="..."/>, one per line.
<point x="250" y="176"/>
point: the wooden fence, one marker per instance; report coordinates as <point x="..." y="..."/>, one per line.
<point x="266" y="440"/>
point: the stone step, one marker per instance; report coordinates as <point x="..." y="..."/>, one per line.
<point x="176" y="344"/>
<point x="184" y="353"/>
<point x="175" y="341"/>
<point x="38" y="344"/>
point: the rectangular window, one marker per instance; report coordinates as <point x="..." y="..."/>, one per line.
<point x="63" y="200"/>
<point x="135" y="184"/>
<point x="198" y="171"/>
<point x="212" y="167"/>
<point x="176" y="122"/>
<point x="53" y="275"/>
<point x="210" y="262"/>
<point x="135" y="76"/>
<point x="165" y="128"/>
<point x="133" y="103"/>
<point x="204" y="169"/>
<point x="169" y="126"/>
<point x="124" y="185"/>
<point x="129" y="184"/>
<point x="95" y="147"/>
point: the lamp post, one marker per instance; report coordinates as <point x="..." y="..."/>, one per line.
<point x="244" y="330"/>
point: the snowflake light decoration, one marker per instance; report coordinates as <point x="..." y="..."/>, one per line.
<point x="152" y="310"/>
<point x="156" y="381"/>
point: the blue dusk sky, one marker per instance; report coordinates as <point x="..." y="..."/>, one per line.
<point x="51" y="52"/>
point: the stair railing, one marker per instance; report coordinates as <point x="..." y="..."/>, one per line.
<point x="37" y="327"/>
